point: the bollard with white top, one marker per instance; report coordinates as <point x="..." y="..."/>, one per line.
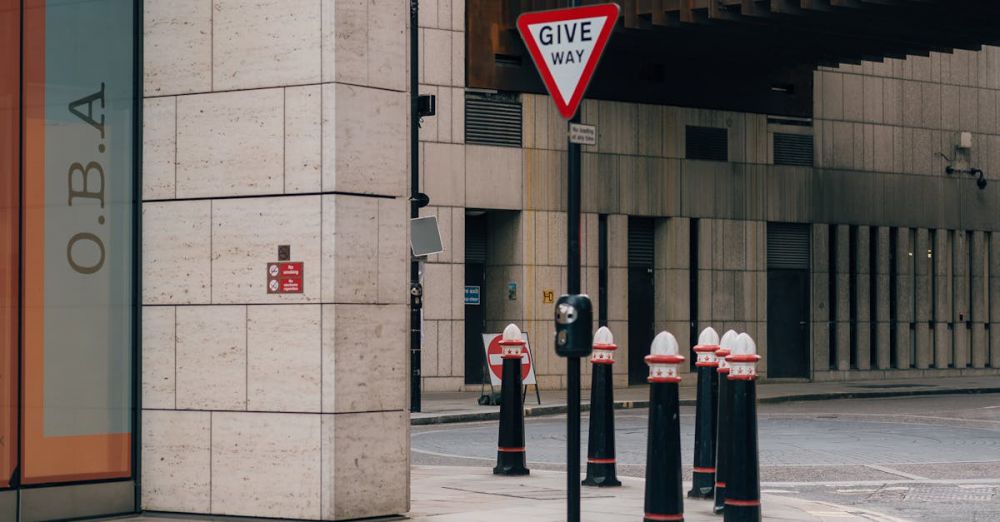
<point x="722" y="440"/>
<point x="601" y="442"/>
<point x="743" y="478"/>
<point x="706" y="410"/>
<point x="664" y="494"/>
<point x="511" y="458"/>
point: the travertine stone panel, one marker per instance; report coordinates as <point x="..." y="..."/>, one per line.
<point x="437" y="44"/>
<point x="265" y="43"/>
<point x="882" y="287"/>
<point x="364" y="250"/>
<point x="176" y="461"/>
<point x="904" y="297"/>
<point x="176" y="252"/>
<point x="363" y="357"/>
<point x="942" y="345"/>
<point x="211" y="357"/>
<point x="364" y="42"/>
<point x="158" y="364"/>
<point x="978" y="313"/>
<point x="159" y="147"/>
<point x="246" y="234"/>
<point x="365" y="458"/>
<point x="923" y="303"/>
<point x="493" y="177"/>
<point x="230" y="143"/>
<point x="821" y="345"/>
<point x="266" y="465"/>
<point x="820" y="296"/>
<point x="177" y="47"/>
<point x="960" y="293"/>
<point x="363" y="133"/>
<point x="862" y="303"/>
<point x="443" y="173"/>
<point x="284" y="358"/>
<point x="303" y="144"/>
<point x="980" y="345"/>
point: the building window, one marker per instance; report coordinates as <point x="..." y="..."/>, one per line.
<point x="707" y="143"/>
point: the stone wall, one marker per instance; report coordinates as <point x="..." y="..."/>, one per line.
<point x="274" y="123"/>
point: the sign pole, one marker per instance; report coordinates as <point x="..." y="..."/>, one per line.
<point x="573" y="362"/>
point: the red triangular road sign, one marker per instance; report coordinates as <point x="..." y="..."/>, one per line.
<point x="566" y="45"/>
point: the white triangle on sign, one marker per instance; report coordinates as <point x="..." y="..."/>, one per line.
<point x="566" y="45"/>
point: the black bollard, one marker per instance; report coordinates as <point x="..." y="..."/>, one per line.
<point x="743" y="480"/>
<point x="706" y="411"/>
<point x="510" y="446"/>
<point x="664" y="489"/>
<point x="722" y="441"/>
<point x="601" y="442"/>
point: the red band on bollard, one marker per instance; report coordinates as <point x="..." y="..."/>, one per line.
<point x="664" y="359"/>
<point x="742" y="503"/>
<point x="651" y="516"/>
<point x="720" y="484"/>
<point x="741" y="377"/>
<point x="601" y="461"/>
<point x="663" y="379"/>
<point x="703" y="470"/>
<point x="510" y="450"/>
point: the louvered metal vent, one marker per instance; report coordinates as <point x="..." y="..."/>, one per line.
<point x="493" y="119"/>
<point x="787" y="246"/>
<point x="793" y="149"/>
<point x="640" y="242"/>
<point x="707" y="143"/>
<point x="475" y="239"/>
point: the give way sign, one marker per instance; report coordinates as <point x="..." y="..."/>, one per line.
<point x="491" y="342"/>
<point x="566" y="45"/>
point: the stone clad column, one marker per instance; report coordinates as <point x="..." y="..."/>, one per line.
<point x="862" y="298"/>
<point x="923" y="301"/>
<point x="882" y="282"/>
<point x="904" y="297"/>
<point x="960" y="293"/>
<point x="821" y="297"/>
<point x="994" y="306"/>
<point x="942" y="299"/>
<point x="843" y="302"/>
<point x="977" y="306"/>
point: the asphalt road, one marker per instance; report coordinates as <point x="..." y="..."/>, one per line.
<point x="918" y="458"/>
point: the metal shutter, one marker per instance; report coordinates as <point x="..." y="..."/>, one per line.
<point x="493" y="119"/>
<point x="640" y="242"/>
<point x="475" y="239"/>
<point x="788" y="246"/>
<point x="793" y="149"/>
<point x="707" y="143"/>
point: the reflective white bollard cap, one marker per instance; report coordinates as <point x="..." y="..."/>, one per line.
<point x="604" y="347"/>
<point x="743" y="360"/>
<point x="708" y="343"/>
<point x="663" y="359"/>
<point x="511" y="343"/>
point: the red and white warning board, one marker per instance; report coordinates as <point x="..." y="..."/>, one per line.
<point x="285" y="277"/>
<point x="566" y="45"/>
<point x="491" y="342"/>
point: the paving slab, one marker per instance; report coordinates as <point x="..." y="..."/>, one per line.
<point x="449" y="407"/>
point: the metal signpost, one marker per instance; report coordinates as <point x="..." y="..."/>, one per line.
<point x="566" y="45"/>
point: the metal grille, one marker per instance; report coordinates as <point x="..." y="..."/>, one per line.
<point x="493" y="119"/>
<point x="707" y="143"/>
<point x="793" y="149"/>
<point x="475" y="239"/>
<point x="787" y="246"/>
<point x="640" y="242"/>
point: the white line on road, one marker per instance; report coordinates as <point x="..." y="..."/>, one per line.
<point x="896" y="472"/>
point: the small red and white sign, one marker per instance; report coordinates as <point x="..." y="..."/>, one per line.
<point x="491" y="342"/>
<point x="285" y="277"/>
<point x="566" y="45"/>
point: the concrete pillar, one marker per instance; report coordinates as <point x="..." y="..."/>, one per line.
<point x="977" y="295"/>
<point x="862" y="301"/>
<point x="672" y="278"/>
<point x="904" y="298"/>
<point x="821" y="297"/>
<point x="882" y="316"/>
<point x="843" y="302"/>
<point x="923" y="303"/>
<point x="960" y="293"/>
<point x="942" y="298"/>
<point x="994" y="298"/>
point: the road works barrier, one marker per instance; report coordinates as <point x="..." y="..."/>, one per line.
<point x="601" y="440"/>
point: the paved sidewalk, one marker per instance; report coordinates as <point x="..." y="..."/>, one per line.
<point x="448" y="407"/>
<point x="457" y="494"/>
